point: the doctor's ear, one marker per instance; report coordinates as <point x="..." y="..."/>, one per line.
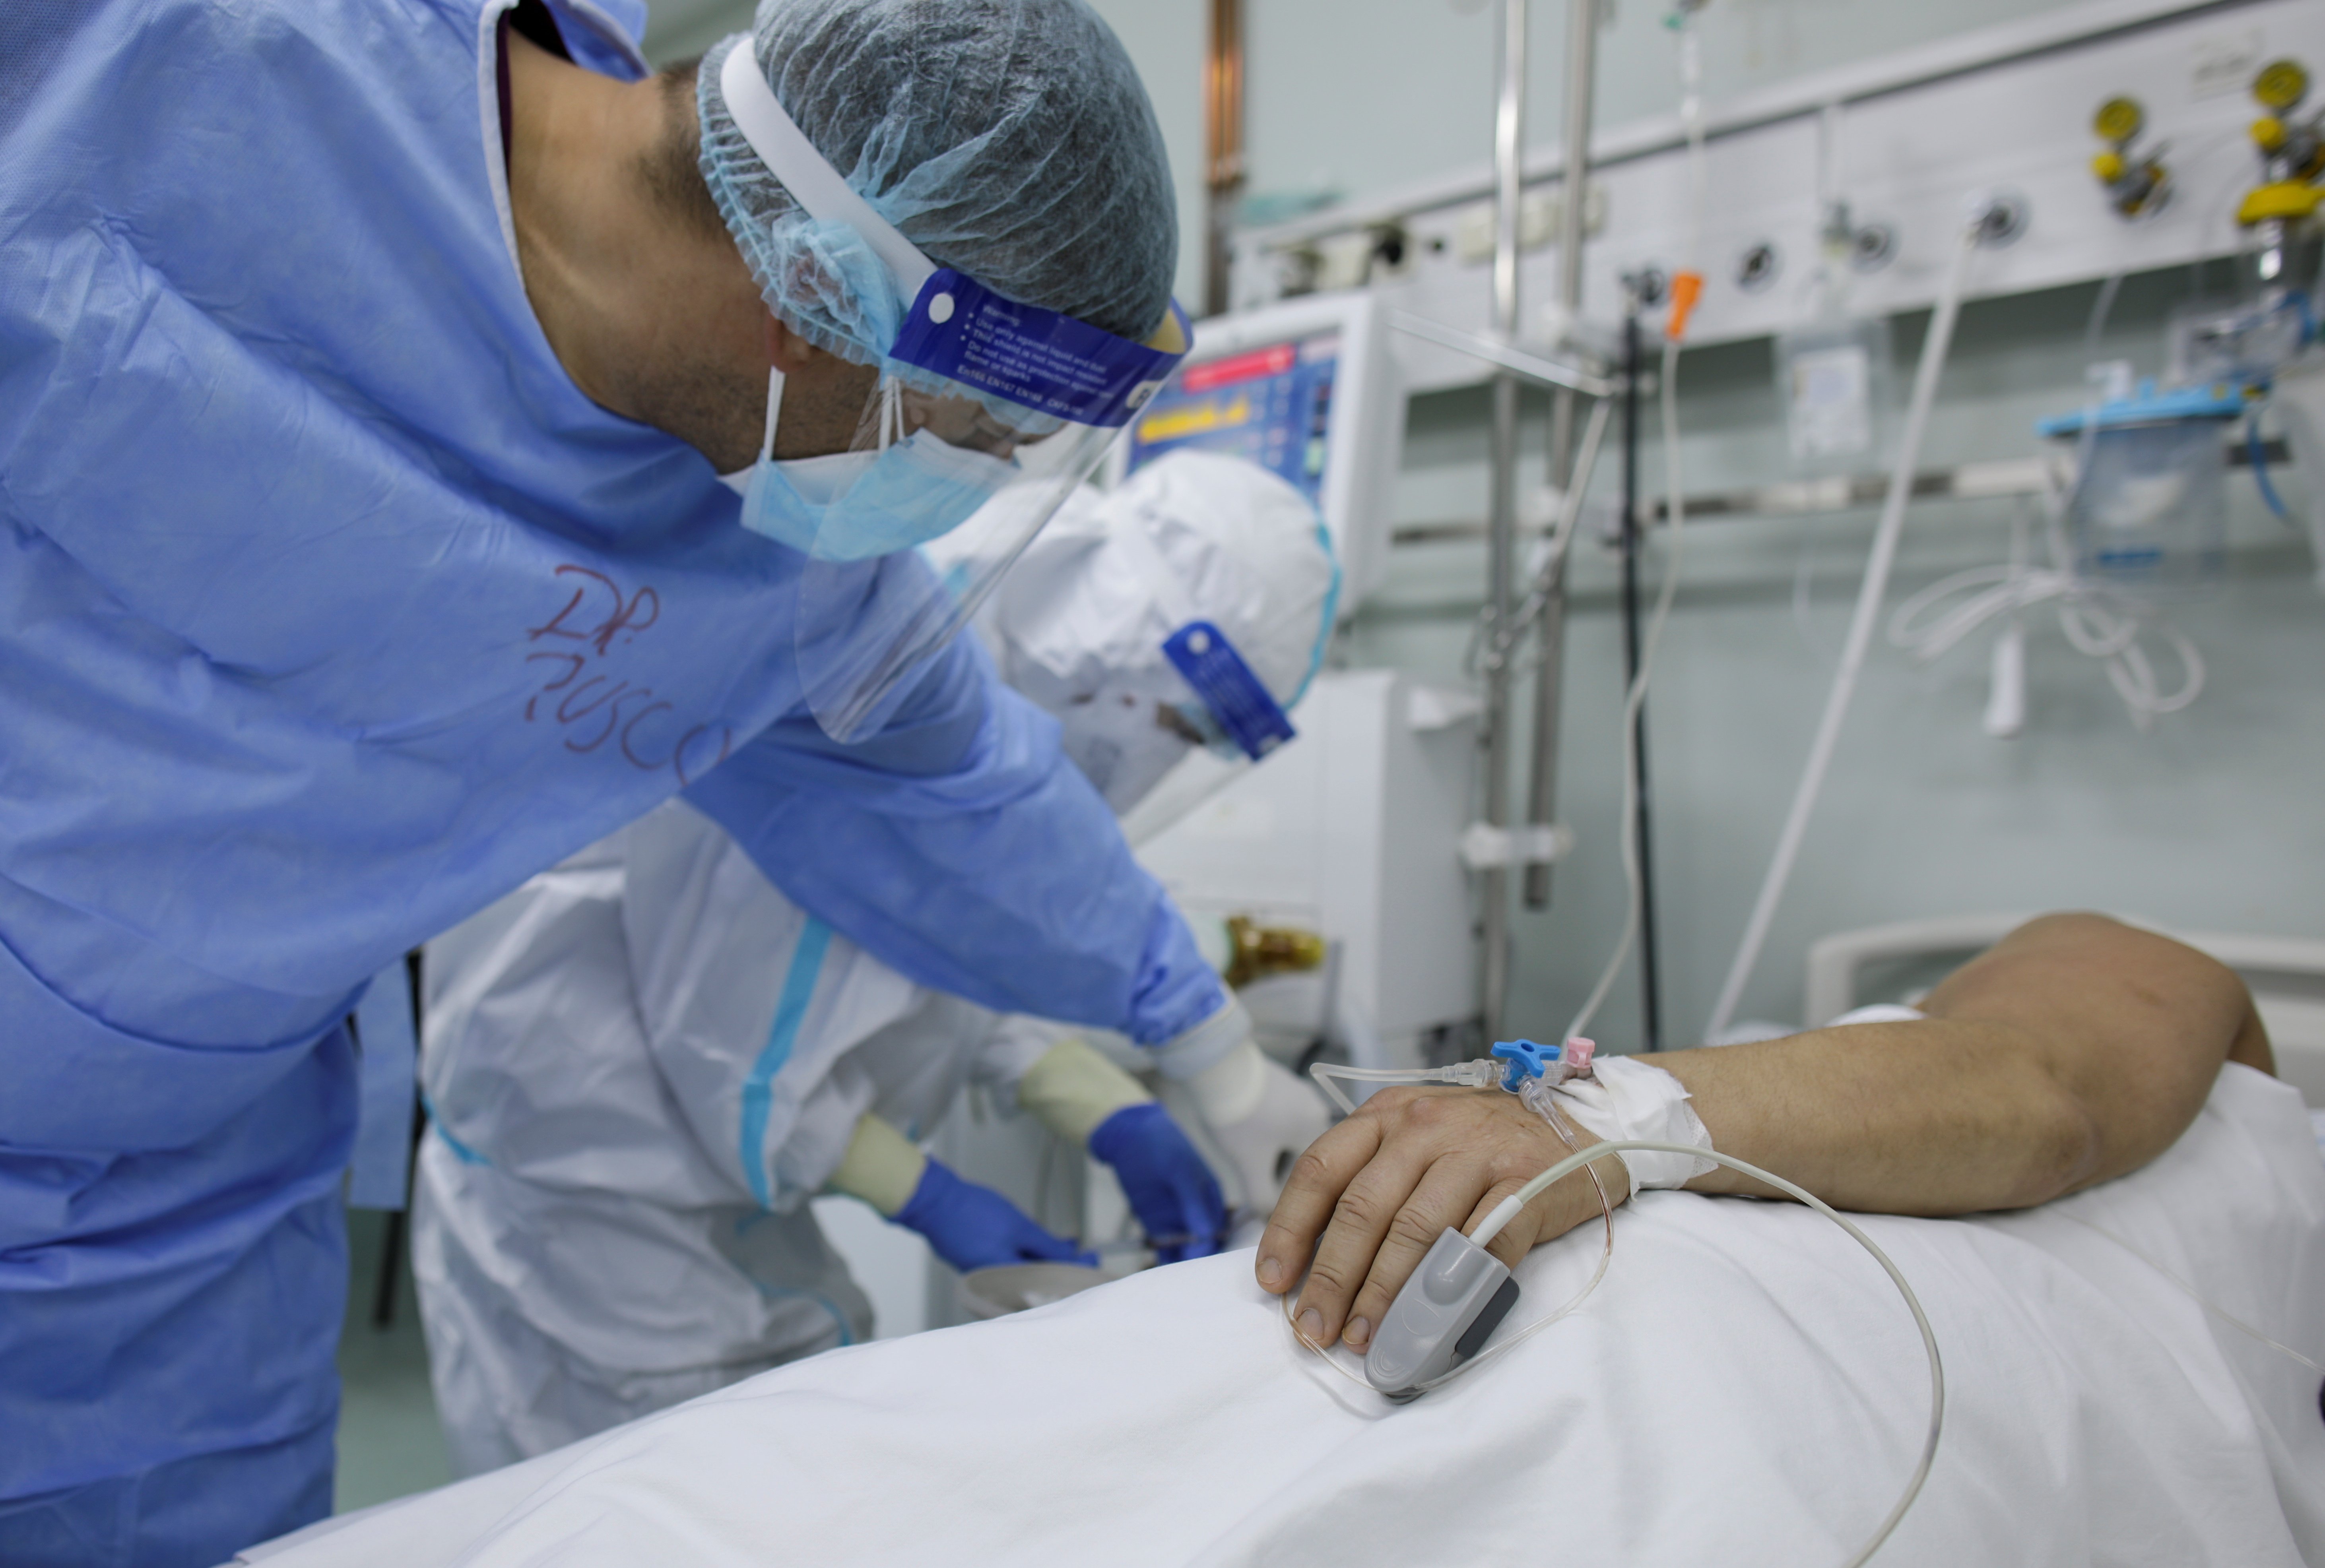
<point x="789" y="352"/>
<point x="827" y="399"/>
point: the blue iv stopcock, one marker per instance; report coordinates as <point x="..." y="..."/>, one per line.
<point x="1526" y="1059"/>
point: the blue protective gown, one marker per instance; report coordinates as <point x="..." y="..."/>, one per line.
<point x="331" y="610"/>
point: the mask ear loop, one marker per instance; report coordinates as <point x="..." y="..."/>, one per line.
<point x="892" y="411"/>
<point x="774" y="412"/>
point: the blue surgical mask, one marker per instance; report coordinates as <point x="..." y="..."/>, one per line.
<point x="851" y="506"/>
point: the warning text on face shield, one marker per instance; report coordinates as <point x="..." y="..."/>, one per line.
<point x="1049" y="364"/>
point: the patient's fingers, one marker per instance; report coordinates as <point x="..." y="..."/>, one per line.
<point x="1405" y="1133"/>
<point x="1449" y="1192"/>
<point x="1362" y="1220"/>
<point x="1318" y="1178"/>
<point x="1374" y="1195"/>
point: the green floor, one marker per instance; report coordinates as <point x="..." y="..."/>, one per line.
<point x="389" y="1444"/>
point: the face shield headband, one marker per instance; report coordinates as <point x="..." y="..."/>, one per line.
<point x="989" y="413"/>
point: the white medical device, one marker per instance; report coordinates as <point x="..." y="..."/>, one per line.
<point x="1307" y="390"/>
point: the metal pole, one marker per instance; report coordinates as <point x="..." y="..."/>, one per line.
<point x="1581" y="75"/>
<point x="1650" y="991"/>
<point x="1223" y="148"/>
<point x="1501" y="520"/>
<point x="1581" y="72"/>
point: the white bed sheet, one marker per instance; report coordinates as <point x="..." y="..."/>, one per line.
<point x="1744" y="1388"/>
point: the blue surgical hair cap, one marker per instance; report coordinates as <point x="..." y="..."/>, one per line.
<point x="1009" y="140"/>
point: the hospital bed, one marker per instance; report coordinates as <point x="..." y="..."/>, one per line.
<point x="1744" y="1388"/>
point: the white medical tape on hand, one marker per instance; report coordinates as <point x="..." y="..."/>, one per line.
<point x="1626" y="1099"/>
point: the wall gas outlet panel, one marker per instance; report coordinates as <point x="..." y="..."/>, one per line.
<point x="2003" y="109"/>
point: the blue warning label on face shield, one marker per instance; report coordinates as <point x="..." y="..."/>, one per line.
<point x="1040" y="359"/>
<point x="1253" y="720"/>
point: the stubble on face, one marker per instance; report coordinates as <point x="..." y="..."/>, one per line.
<point x="699" y="372"/>
<point x="702" y="373"/>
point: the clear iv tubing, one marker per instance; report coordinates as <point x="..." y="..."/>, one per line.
<point x="1490" y="647"/>
<point x="2199" y="1297"/>
<point x="1481" y="1073"/>
<point x="1507" y="1208"/>
<point x="1690" y="115"/>
<point x="2091" y="628"/>
<point x="1860" y="633"/>
<point x="1677" y="508"/>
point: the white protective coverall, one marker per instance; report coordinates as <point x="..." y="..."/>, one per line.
<point x="642" y="1064"/>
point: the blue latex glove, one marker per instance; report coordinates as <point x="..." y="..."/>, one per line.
<point x="1170" y="1190"/>
<point x="974" y="1227"/>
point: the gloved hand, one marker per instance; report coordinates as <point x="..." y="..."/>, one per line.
<point x="974" y="1227"/>
<point x="1170" y="1190"/>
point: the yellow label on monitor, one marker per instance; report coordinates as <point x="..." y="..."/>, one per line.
<point x="1194" y="420"/>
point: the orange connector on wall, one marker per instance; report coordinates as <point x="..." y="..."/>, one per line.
<point x="1686" y="288"/>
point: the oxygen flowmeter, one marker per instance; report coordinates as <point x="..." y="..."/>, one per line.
<point x="2137" y="185"/>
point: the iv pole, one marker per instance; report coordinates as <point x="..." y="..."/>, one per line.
<point x="1542" y="792"/>
<point x="1581" y="73"/>
<point x="1223" y="164"/>
<point x="1502" y="518"/>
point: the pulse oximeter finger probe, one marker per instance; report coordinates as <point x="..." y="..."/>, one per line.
<point x="1461" y="1293"/>
<point x="1453" y="1302"/>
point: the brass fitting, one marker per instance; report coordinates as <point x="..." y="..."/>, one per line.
<point x="1259" y="951"/>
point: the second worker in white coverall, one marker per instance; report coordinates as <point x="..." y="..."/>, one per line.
<point x="641" y="1064"/>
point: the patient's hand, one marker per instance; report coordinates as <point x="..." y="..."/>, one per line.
<point x="1383" y="1186"/>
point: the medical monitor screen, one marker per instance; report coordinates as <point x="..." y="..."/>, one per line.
<point x="1273" y="405"/>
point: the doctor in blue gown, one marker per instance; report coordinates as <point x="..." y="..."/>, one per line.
<point x="367" y="368"/>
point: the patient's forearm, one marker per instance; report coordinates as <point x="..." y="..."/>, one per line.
<point x="2074" y="1051"/>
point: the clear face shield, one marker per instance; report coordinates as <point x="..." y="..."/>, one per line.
<point x="987" y="415"/>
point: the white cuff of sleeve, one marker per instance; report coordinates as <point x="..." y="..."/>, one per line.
<point x="881" y="1166"/>
<point x="1626" y="1099"/>
<point x="1184" y="1056"/>
<point x="1230" y="1089"/>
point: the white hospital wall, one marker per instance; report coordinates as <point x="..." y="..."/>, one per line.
<point x="1365" y="97"/>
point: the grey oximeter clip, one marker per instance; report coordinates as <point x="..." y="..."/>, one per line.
<point x="1444" y="1315"/>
